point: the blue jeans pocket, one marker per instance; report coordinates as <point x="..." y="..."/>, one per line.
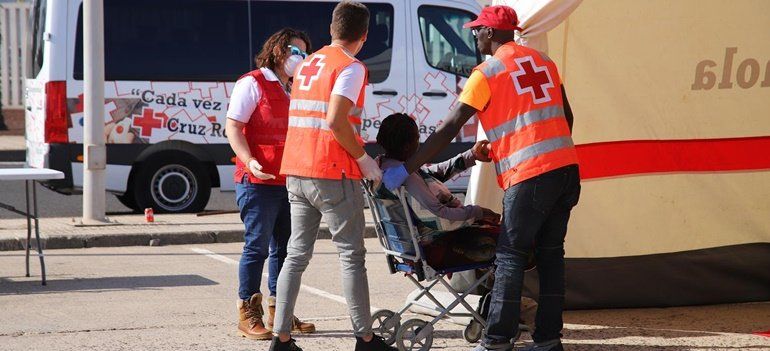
<point x="546" y="190"/>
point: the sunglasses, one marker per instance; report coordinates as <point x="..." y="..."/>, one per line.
<point x="296" y="51"/>
<point x="476" y="31"/>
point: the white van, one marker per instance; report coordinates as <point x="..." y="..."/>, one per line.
<point x="170" y="66"/>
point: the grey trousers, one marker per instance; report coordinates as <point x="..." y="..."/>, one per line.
<point x="341" y="204"/>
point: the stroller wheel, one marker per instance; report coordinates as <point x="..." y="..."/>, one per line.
<point x="385" y="323"/>
<point x="414" y="335"/>
<point x="473" y="331"/>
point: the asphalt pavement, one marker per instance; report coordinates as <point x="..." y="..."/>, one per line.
<point x="183" y="297"/>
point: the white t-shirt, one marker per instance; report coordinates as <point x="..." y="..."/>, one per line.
<point x="350" y="81"/>
<point x="246" y="95"/>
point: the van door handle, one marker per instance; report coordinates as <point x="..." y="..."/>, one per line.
<point x="434" y="93"/>
<point x="385" y="92"/>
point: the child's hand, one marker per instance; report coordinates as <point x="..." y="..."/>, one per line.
<point x="481" y="151"/>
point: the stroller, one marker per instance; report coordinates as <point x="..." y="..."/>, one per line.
<point x="397" y="229"/>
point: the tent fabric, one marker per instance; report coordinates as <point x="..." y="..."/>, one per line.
<point x="674" y="145"/>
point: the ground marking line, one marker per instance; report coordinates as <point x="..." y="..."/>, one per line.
<point x="310" y="289"/>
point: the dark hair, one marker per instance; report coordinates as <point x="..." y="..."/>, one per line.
<point x="397" y="133"/>
<point x="350" y="21"/>
<point x="274" y="51"/>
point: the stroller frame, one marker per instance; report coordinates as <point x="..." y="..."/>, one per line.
<point x="416" y="334"/>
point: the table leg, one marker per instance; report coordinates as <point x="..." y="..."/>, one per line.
<point x="29" y="225"/>
<point x="37" y="231"/>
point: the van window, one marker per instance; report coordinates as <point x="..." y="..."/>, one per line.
<point x="172" y="40"/>
<point x="38" y="29"/>
<point x="448" y="47"/>
<point x="270" y="16"/>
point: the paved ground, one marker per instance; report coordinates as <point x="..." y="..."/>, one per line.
<point x="183" y="297"/>
<point x="133" y="230"/>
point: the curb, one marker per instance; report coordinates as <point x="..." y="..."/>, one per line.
<point x="52" y="242"/>
<point x="13" y="155"/>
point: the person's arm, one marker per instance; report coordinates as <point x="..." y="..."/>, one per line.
<point x="237" y="140"/>
<point x="443" y="136"/>
<point x="418" y="189"/>
<point x="475" y="97"/>
<point x="567" y="108"/>
<point x="243" y="102"/>
<point x="337" y="119"/>
<point x="446" y="170"/>
<point x="345" y="92"/>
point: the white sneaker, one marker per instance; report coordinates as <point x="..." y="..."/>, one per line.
<point x="496" y="347"/>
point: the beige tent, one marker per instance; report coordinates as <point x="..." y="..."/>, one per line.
<point x="672" y="122"/>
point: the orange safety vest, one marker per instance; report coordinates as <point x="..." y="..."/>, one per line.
<point x="311" y="149"/>
<point x="524" y="119"/>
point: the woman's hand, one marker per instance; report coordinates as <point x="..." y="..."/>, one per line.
<point x="481" y="151"/>
<point x="256" y="169"/>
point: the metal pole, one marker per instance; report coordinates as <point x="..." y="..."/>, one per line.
<point x="2" y="119"/>
<point x="93" y="134"/>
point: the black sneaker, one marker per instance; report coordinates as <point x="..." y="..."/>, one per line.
<point x="552" y="345"/>
<point x="376" y="344"/>
<point x="277" y="345"/>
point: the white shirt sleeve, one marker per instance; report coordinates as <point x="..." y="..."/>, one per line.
<point x="244" y="99"/>
<point x="350" y="81"/>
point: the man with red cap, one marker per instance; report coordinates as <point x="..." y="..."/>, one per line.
<point x="523" y="109"/>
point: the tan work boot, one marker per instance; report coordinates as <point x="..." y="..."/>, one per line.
<point x="297" y="326"/>
<point x="250" y="323"/>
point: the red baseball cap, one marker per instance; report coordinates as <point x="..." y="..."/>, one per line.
<point x="497" y="17"/>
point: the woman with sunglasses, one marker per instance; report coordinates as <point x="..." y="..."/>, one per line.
<point x="257" y="120"/>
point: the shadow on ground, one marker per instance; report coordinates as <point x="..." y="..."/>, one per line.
<point x="11" y="287"/>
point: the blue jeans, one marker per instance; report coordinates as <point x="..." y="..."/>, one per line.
<point x="265" y="214"/>
<point x="535" y="216"/>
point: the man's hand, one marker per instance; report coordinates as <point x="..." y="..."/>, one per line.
<point x="393" y="177"/>
<point x="481" y="151"/>
<point x="370" y="170"/>
<point x="256" y="169"/>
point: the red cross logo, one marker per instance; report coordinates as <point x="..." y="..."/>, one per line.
<point x="147" y="122"/>
<point x="310" y="71"/>
<point x="532" y="79"/>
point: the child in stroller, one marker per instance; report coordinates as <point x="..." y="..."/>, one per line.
<point x="450" y="234"/>
<point x="445" y="231"/>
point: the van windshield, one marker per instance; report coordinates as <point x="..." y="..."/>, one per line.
<point x="38" y="29"/>
<point x="448" y="46"/>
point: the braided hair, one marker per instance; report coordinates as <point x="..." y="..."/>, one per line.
<point x="397" y="134"/>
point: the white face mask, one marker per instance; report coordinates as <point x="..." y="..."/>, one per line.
<point x="291" y="64"/>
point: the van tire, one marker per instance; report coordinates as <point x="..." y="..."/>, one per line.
<point x="128" y="200"/>
<point x="172" y="183"/>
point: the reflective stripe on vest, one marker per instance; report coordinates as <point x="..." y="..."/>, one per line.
<point x="492" y="67"/>
<point x="523" y="120"/>
<point x="309" y="105"/>
<point x="532" y="151"/>
<point x="320" y="106"/>
<point x="316" y="123"/>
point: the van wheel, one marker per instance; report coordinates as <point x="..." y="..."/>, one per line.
<point x="128" y="200"/>
<point x="175" y="183"/>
